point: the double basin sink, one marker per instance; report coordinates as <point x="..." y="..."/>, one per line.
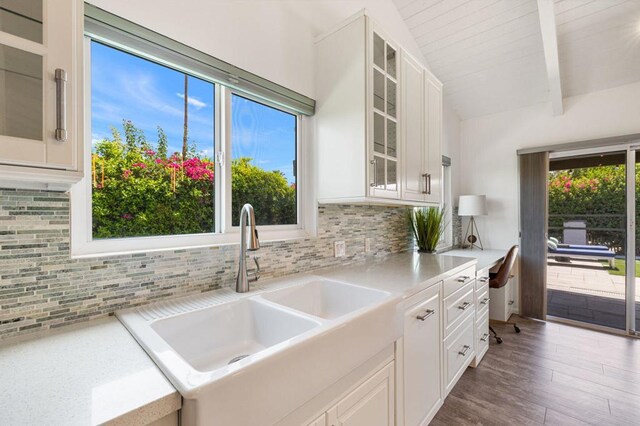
<point x="242" y="361"/>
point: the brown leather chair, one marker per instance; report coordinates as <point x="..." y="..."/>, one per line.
<point x="499" y="279"/>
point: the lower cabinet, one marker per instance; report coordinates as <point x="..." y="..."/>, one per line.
<point x="421" y="356"/>
<point x="459" y="352"/>
<point x="370" y="404"/>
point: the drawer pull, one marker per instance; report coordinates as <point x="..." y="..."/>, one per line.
<point x="484" y="337"/>
<point x="426" y="314"/>
<point x="485" y="301"/>
<point x="464" y="350"/>
<point x="511" y="302"/>
<point x="61" y="105"/>
<point x="484" y="279"/>
<point x="463" y="279"/>
<point x="464" y="306"/>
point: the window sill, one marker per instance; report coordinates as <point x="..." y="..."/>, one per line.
<point x="125" y="246"/>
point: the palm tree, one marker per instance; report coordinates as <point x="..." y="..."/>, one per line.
<point x="186" y="116"/>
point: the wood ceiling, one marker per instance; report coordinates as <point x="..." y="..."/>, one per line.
<point x="498" y="55"/>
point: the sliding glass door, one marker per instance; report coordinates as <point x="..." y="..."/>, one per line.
<point x="593" y="244"/>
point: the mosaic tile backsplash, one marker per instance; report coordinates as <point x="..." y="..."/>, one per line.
<point x="42" y="287"/>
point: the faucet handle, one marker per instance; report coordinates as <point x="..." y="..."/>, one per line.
<point x="256" y="260"/>
<point x="255" y="274"/>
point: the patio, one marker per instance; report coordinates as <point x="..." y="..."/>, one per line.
<point x="583" y="290"/>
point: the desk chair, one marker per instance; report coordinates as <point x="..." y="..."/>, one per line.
<point x="498" y="280"/>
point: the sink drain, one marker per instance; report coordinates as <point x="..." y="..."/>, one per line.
<point x="237" y="358"/>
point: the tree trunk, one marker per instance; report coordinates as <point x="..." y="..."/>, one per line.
<point x="186" y="117"/>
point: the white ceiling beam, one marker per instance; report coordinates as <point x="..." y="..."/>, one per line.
<point x="550" y="43"/>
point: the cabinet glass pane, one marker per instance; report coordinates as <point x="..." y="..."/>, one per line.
<point x="391" y="138"/>
<point x="21" y="93"/>
<point x="22" y="18"/>
<point x="378" y="174"/>
<point x="378" y="50"/>
<point x="391" y="98"/>
<point x="391" y="61"/>
<point x="392" y="179"/>
<point x="378" y="90"/>
<point x="378" y="133"/>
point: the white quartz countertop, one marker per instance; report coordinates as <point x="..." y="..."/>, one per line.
<point x="404" y="273"/>
<point x="486" y="258"/>
<point x="95" y="373"/>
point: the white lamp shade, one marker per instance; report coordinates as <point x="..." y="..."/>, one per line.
<point x="472" y="205"/>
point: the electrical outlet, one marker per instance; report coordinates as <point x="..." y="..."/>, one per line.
<point x="367" y="245"/>
<point x="339" y="249"/>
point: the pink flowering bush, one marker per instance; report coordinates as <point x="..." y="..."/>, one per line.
<point x="140" y="190"/>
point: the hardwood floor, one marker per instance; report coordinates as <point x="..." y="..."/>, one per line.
<point x="549" y="374"/>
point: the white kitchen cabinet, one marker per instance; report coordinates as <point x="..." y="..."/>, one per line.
<point x="39" y="46"/>
<point x="370" y="404"/>
<point x="459" y="352"/>
<point x="421" y="356"/>
<point x="361" y="128"/>
<point x="320" y="421"/>
<point x="433" y="161"/>
<point x="421" y="133"/>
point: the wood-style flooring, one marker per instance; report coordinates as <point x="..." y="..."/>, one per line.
<point x="550" y="374"/>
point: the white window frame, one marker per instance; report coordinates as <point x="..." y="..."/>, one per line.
<point x="82" y="242"/>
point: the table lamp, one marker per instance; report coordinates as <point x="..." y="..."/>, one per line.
<point x="472" y="205"/>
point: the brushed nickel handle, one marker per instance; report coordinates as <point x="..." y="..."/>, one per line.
<point x="375" y="172"/>
<point x="484" y="279"/>
<point x="427" y="314"/>
<point x="426" y="185"/>
<point x="485" y="301"/>
<point x="464" y="306"/>
<point x="463" y="278"/>
<point x="61" y="105"/>
<point x="511" y="302"/>
<point x="464" y="350"/>
<point x="484" y="337"/>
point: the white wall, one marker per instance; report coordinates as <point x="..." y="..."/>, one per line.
<point x="488" y="147"/>
<point x="271" y="38"/>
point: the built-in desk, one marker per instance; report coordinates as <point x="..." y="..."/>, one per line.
<point x="486" y="258"/>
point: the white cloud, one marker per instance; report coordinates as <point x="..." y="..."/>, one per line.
<point x="192" y="101"/>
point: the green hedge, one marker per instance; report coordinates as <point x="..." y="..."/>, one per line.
<point x="141" y="190"/>
<point x="596" y="195"/>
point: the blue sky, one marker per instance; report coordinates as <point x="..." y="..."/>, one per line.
<point x="127" y="87"/>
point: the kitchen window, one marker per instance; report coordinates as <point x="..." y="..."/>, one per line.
<point x="173" y="151"/>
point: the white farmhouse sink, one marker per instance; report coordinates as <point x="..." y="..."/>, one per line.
<point x="298" y="341"/>
<point x="212" y="338"/>
<point x="326" y="299"/>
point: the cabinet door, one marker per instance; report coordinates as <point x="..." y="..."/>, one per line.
<point x="36" y="39"/>
<point x="433" y="169"/>
<point x="320" y="421"/>
<point x="371" y="404"/>
<point x="422" y="361"/>
<point x="384" y="149"/>
<point x="414" y="151"/>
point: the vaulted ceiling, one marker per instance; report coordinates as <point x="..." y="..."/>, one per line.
<point x="498" y="55"/>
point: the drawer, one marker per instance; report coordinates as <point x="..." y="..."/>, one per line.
<point x="482" y="302"/>
<point x="458" y="306"/>
<point x="482" y="333"/>
<point x="459" y="352"/>
<point x="455" y="282"/>
<point x="482" y="281"/>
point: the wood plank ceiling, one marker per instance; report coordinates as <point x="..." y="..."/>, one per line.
<point x="490" y="53"/>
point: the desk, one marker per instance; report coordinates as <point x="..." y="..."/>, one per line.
<point x="486" y="258"/>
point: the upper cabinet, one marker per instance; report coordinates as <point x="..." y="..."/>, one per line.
<point x="378" y="120"/>
<point x="39" y="45"/>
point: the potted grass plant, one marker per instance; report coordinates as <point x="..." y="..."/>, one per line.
<point x="427" y="225"/>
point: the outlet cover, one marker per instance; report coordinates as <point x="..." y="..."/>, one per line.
<point x="339" y="249"/>
<point x="367" y="245"/>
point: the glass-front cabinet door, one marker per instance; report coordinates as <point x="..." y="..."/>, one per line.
<point x="384" y="149"/>
<point x="36" y="57"/>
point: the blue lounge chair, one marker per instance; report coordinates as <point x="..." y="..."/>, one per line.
<point x="583" y="247"/>
<point x="584" y="253"/>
